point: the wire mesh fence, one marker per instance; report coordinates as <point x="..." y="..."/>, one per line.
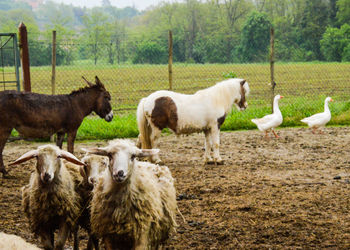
<point x="132" y="69"/>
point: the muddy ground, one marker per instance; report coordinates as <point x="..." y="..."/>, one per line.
<point x="288" y="193"/>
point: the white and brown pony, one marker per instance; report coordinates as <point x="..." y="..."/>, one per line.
<point x="205" y="111"/>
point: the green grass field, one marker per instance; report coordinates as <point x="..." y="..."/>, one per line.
<point x="304" y="85"/>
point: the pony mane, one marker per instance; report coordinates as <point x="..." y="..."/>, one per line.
<point x="224" y="93"/>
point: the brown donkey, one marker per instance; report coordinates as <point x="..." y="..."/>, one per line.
<point x="37" y="115"/>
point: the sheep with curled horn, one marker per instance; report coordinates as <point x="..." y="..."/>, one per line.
<point x="134" y="203"/>
<point x="49" y="200"/>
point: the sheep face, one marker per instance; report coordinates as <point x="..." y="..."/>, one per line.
<point x="94" y="165"/>
<point x="48" y="161"/>
<point x="122" y="154"/>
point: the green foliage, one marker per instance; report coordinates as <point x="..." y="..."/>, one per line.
<point x="255" y="38"/>
<point x="334" y="42"/>
<point x="229" y="75"/>
<point x="343" y="14"/>
<point x="151" y="52"/>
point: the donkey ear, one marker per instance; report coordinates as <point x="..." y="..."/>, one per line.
<point x="88" y="83"/>
<point x="242" y="82"/>
<point x="27" y="156"/>
<point x="98" y="82"/>
<point x="70" y="157"/>
<point x="148" y="152"/>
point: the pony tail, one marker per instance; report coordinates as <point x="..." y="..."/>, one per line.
<point x="145" y="130"/>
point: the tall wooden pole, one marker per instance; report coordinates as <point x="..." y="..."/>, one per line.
<point x="24" y="53"/>
<point x="272" y="65"/>
<point x="53" y="70"/>
<point x="170" y="63"/>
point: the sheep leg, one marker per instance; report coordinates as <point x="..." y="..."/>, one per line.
<point x="59" y="139"/>
<point x="76" y="238"/>
<point x="108" y="242"/>
<point x="70" y="141"/>
<point x="93" y="241"/>
<point x="4" y="135"/>
<point x="208" y="147"/>
<point x="47" y="239"/>
<point x="62" y="236"/>
<point x="142" y="242"/>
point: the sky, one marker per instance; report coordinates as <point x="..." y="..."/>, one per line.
<point x="139" y="4"/>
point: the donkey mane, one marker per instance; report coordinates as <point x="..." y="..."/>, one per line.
<point x="85" y="89"/>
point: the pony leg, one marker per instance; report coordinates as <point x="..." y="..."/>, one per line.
<point x="154" y="136"/>
<point x="208" y="144"/>
<point x="215" y="136"/>
<point x="4" y="135"/>
<point x="70" y="141"/>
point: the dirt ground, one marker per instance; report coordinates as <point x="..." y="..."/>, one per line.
<point x="288" y="193"/>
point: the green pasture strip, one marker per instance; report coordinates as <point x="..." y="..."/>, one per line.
<point x="304" y="86"/>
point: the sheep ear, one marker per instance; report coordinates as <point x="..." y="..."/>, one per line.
<point x="96" y="151"/>
<point x="148" y="152"/>
<point x="70" y="157"/>
<point x="27" y="156"/>
<point x="83" y="171"/>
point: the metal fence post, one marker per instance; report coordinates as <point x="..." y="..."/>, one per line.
<point x="24" y="52"/>
<point x="170" y="62"/>
<point x="272" y="65"/>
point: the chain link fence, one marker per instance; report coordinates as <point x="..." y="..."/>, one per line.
<point x="132" y="69"/>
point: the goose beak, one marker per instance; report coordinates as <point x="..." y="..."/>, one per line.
<point x="281" y="97"/>
<point x="331" y="100"/>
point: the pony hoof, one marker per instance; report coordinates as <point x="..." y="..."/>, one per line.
<point x="221" y="162"/>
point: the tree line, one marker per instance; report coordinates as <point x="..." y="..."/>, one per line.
<point x="207" y="31"/>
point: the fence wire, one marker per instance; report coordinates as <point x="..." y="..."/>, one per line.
<point x="132" y="69"/>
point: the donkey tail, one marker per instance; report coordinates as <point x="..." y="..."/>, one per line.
<point x="145" y="130"/>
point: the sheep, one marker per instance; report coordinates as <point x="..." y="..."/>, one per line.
<point x="49" y="200"/>
<point x="84" y="182"/>
<point x="134" y="203"/>
<point x="14" y="242"/>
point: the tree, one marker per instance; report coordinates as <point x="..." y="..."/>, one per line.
<point x="334" y="43"/>
<point x="343" y="14"/>
<point x="255" y="38"/>
<point x="96" y="33"/>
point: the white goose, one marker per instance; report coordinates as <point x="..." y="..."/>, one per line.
<point x="269" y="122"/>
<point x="321" y="119"/>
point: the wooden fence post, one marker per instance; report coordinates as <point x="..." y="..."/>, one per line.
<point x="170" y="62"/>
<point x="24" y="52"/>
<point x="53" y="71"/>
<point x="272" y="65"/>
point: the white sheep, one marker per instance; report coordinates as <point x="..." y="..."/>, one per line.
<point x="49" y="200"/>
<point x="14" y="242"/>
<point x="134" y="203"/>
<point x="84" y="182"/>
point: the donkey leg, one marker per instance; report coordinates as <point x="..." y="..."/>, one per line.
<point x="215" y="135"/>
<point x="59" y="139"/>
<point x="154" y="136"/>
<point x="208" y="146"/>
<point x="70" y="141"/>
<point x="4" y="135"/>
